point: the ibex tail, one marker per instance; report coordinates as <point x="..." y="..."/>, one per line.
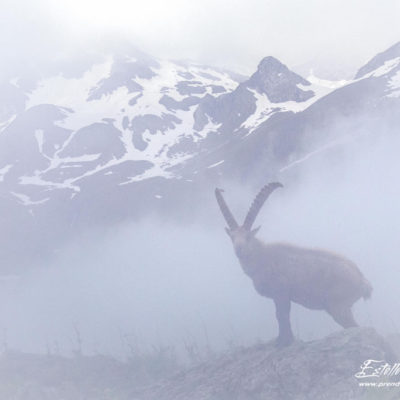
<point x="367" y="290"/>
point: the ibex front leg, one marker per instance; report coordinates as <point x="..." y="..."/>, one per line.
<point x="285" y="336"/>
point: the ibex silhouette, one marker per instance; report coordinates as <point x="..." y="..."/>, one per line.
<point x="316" y="279"/>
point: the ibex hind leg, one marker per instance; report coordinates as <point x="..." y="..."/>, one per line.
<point x="282" y="307"/>
<point x="343" y="316"/>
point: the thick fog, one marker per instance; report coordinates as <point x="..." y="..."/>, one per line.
<point x="176" y="284"/>
<point x="153" y="283"/>
<point x="230" y="34"/>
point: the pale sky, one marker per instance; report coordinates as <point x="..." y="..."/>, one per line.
<point x="332" y="35"/>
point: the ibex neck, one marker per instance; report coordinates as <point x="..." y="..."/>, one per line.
<point x="250" y="251"/>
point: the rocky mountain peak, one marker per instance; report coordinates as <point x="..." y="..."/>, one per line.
<point x="278" y="82"/>
<point x="379" y="60"/>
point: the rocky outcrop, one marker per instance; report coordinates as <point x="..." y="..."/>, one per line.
<point x="321" y="369"/>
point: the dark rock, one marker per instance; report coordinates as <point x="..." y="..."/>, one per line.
<point x="279" y="83"/>
<point x="185" y="104"/>
<point x="153" y="123"/>
<point x="190" y="87"/>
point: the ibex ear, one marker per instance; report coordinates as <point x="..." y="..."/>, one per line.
<point x="254" y="231"/>
<point x="228" y="231"/>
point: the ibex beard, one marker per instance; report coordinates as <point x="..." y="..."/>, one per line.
<point x="316" y="279"/>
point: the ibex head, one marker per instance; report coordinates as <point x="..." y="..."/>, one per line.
<point x="242" y="235"/>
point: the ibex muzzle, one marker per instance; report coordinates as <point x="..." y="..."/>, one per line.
<point x="316" y="279"/>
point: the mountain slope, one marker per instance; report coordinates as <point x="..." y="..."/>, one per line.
<point x="367" y="105"/>
<point x="136" y="119"/>
<point x="74" y="147"/>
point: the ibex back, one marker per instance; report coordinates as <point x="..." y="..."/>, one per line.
<point x="316" y="279"/>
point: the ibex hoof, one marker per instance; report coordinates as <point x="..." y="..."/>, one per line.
<point x="283" y="341"/>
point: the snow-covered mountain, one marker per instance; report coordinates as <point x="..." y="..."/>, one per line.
<point x="75" y="147"/>
<point x="128" y="119"/>
<point x="125" y="119"/>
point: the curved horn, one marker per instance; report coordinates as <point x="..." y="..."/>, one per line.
<point x="258" y="202"/>
<point x="229" y="218"/>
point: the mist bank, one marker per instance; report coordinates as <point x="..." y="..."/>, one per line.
<point x="231" y="37"/>
<point x="173" y="283"/>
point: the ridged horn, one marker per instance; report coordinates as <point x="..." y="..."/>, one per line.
<point x="258" y="202"/>
<point x="226" y="212"/>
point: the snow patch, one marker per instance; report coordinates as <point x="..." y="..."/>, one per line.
<point x="72" y="95"/>
<point x="326" y="83"/>
<point x="80" y="159"/>
<point x="68" y="92"/>
<point x="5" y="124"/>
<point x="265" y="109"/>
<point x="3" y="171"/>
<point x="384" y="69"/>
<point x="26" y="201"/>
<point x="155" y="172"/>
<point x="216" y="164"/>
<point x="313" y="153"/>
<point x="38" y="181"/>
<point x="14" y="81"/>
<point x="39" y="135"/>
<point x="394" y="85"/>
<point x="208" y="128"/>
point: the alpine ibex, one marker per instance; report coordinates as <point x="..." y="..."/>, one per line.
<point x="316" y="279"/>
